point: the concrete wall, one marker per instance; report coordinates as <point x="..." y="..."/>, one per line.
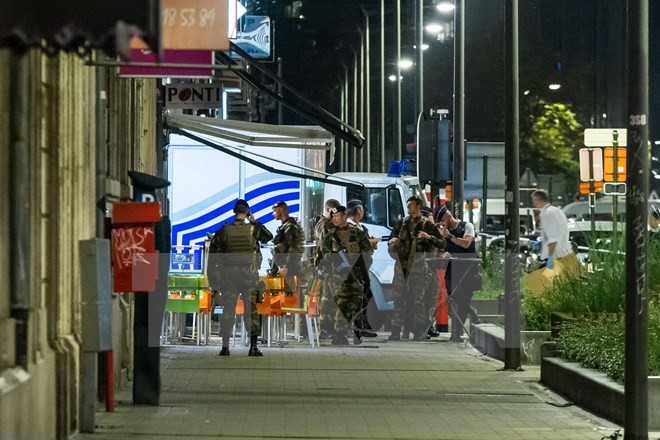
<point x="62" y="145"/>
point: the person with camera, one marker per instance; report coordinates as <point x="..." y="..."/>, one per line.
<point x="234" y="261"/>
<point x="344" y="255"/>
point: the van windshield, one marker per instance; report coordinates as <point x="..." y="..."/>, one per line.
<point x="376" y="202"/>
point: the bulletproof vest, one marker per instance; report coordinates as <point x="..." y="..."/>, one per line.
<point x="291" y="226"/>
<point x="348" y="239"/>
<point x="239" y="239"/>
<point x="453" y="248"/>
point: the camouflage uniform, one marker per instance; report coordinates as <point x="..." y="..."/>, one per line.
<point x="289" y="248"/>
<point x="234" y="261"/>
<point x="354" y="245"/>
<point x="411" y="272"/>
<point x="323" y="228"/>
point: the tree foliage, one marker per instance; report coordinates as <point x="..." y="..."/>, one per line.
<point x="550" y="139"/>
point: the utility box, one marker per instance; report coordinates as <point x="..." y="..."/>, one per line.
<point x="434" y="148"/>
<point x="96" y="285"/>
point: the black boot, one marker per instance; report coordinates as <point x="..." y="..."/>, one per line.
<point x="224" y="351"/>
<point x="396" y="334"/>
<point x="357" y="340"/>
<point x="254" y="351"/>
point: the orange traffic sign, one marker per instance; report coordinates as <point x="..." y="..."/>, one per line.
<point x="608" y="165"/>
<point x="584" y="187"/>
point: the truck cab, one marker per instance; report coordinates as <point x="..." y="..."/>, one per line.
<point x="384" y="197"/>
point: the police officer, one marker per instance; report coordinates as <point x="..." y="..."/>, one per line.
<point x="348" y="253"/>
<point x="234" y="261"/>
<point x="289" y="246"/>
<point x="461" y="277"/>
<point x="326" y="305"/>
<point x="410" y="241"/>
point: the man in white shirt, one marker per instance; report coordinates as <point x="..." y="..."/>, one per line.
<point x="554" y="229"/>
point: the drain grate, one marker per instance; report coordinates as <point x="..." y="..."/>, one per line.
<point x="486" y="394"/>
<point x="486" y="397"/>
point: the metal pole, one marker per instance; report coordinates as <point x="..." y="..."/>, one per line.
<point x="420" y="58"/>
<point x="637" y="162"/>
<point x="280" y="112"/>
<point x="382" y="85"/>
<point x="615" y="199"/>
<point x="367" y="132"/>
<point x="355" y="107"/>
<point x="592" y="194"/>
<point x="342" y="144"/>
<point x="347" y="147"/>
<point x="398" y="139"/>
<point x="362" y="72"/>
<point x="484" y="203"/>
<point x="512" y="199"/>
<point x="459" y="109"/>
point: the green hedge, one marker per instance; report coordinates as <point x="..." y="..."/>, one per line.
<point x="599" y="344"/>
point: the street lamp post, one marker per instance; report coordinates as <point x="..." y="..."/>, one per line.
<point x="512" y="199"/>
<point x="382" y="83"/>
<point x="362" y="97"/>
<point x="637" y="162"/>
<point x="420" y="59"/>
<point x="459" y="108"/>
<point x="355" y="105"/>
<point x="398" y="76"/>
<point x="367" y="132"/>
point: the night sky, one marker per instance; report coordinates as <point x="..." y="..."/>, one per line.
<point x="577" y="43"/>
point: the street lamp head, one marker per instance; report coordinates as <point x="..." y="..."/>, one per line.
<point x="393" y="78"/>
<point x="554" y="86"/>
<point x="445" y="7"/>
<point x="405" y="64"/>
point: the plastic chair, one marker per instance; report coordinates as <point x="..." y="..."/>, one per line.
<point x="271" y="305"/>
<point x="310" y="311"/>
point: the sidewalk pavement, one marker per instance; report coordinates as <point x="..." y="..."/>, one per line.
<point x="379" y="390"/>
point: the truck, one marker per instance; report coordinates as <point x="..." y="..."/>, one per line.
<point x="206" y="183"/>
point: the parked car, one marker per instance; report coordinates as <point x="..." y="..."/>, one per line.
<point x="603" y="210"/>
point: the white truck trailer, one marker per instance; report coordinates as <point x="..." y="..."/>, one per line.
<point x="206" y="183"/>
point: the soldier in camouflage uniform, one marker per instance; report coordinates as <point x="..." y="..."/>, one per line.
<point x="345" y="254"/>
<point x="289" y="247"/>
<point x="410" y="241"/>
<point x="326" y="305"/>
<point x="234" y="261"/>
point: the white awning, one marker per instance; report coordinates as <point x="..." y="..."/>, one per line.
<point x="239" y="133"/>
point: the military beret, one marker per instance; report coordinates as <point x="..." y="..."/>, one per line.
<point x="353" y="203"/>
<point x="279" y="204"/>
<point x="441" y="213"/>
<point x="338" y="209"/>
